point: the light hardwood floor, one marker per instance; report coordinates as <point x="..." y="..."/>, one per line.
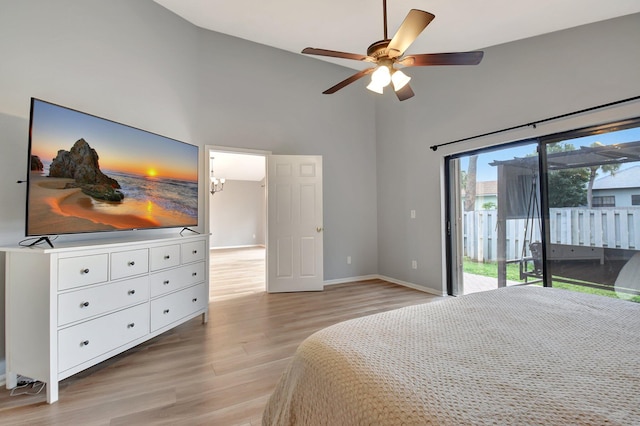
<point x="220" y="373"/>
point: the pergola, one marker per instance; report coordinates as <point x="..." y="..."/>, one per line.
<point x="519" y="174"/>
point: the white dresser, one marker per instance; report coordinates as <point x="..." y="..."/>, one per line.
<point x="73" y="306"/>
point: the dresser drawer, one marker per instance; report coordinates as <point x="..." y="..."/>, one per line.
<point x="85" y="303"/>
<point x="129" y="263"/>
<point x="82" y="270"/>
<point x="174" y="279"/>
<point x="164" y="257"/>
<point x="174" y="306"/>
<point x="90" y="339"/>
<point x="193" y="252"/>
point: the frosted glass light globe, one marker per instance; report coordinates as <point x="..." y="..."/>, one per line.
<point x="381" y="76"/>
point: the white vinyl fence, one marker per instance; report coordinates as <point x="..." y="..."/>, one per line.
<point x="603" y="227"/>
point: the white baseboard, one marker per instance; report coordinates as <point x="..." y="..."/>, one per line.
<point x="382" y="277"/>
<point x="237" y="247"/>
<point x="412" y="285"/>
<point x="351" y="279"/>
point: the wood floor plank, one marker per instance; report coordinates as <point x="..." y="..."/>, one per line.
<point x="220" y="373"/>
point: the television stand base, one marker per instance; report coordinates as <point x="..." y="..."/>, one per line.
<point x="41" y="240"/>
<point x="188" y="229"/>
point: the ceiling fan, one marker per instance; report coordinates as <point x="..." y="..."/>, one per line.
<point x="388" y="52"/>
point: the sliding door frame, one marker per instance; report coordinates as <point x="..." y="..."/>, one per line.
<point x="542" y="143"/>
<point x="452" y="245"/>
<point x="453" y="227"/>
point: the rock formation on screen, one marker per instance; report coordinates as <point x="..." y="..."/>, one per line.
<point x="81" y="164"/>
<point x="36" y="164"/>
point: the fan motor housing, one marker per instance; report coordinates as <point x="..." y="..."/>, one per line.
<point x="379" y="49"/>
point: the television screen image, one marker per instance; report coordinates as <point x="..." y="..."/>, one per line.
<point x="89" y="174"/>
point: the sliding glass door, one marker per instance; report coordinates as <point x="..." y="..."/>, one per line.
<point x="494" y="218"/>
<point x="593" y="222"/>
<point x="568" y="217"/>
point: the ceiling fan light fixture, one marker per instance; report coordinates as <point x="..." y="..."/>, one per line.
<point x="399" y="80"/>
<point x="381" y="76"/>
<point x="374" y="87"/>
<point x="390" y="51"/>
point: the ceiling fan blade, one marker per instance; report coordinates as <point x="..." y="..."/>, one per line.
<point x="336" y="54"/>
<point x="410" y="29"/>
<point x="429" y="59"/>
<point x="405" y="93"/>
<point x="348" y="81"/>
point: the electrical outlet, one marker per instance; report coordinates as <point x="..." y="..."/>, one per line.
<point x="414" y="264"/>
<point x="413" y="214"/>
<point x="348" y="260"/>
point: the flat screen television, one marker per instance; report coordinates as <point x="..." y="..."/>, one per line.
<point x="89" y="174"/>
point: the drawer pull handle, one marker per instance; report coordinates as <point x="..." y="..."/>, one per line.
<point x="84" y="305"/>
<point x="195" y="299"/>
<point x="131" y="325"/>
<point x="193" y="274"/>
<point x="166" y="282"/>
<point x="84" y="343"/>
<point x="195" y="252"/>
<point x="85" y="271"/>
<point x="131" y="292"/>
<point x="132" y="263"/>
<point x="166" y="257"/>
<point x="166" y="311"/>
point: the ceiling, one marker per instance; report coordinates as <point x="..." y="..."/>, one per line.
<point x="351" y="26"/>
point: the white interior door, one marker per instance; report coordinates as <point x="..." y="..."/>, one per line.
<point x="294" y="215"/>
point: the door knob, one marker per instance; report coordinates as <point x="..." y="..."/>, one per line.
<point x="319" y="229"/>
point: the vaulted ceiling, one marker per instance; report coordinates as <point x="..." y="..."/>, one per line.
<point x="351" y="26"/>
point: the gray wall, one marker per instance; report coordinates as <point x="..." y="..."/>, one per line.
<point x="134" y="62"/>
<point x="516" y="83"/>
<point x="266" y="99"/>
<point x="238" y="215"/>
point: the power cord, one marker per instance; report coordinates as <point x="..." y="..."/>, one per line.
<point x="36" y="241"/>
<point x="27" y="386"/>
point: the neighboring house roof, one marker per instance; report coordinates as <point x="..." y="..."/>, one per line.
<point x="484" y="188"/>
<point x="627" y="178"/>
<point x="489" y="187"/>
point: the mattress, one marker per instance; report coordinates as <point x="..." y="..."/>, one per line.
<point x="517" y="355"/>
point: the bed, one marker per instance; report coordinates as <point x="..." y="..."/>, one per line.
<point x="516" y="355"/>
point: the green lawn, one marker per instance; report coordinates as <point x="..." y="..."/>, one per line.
<point x="490" y="269"/>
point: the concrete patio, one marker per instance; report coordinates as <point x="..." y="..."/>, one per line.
<point x="476" y="283"/>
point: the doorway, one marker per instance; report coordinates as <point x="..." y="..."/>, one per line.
<point x="495" y="218"/>
<point x="237" y="272"/>
<point x="237" y="222"/>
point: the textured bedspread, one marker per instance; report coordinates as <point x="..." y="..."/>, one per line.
<point x="517" y="356"/>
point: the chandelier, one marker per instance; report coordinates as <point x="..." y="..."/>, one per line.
<point x="217" y="184"/>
